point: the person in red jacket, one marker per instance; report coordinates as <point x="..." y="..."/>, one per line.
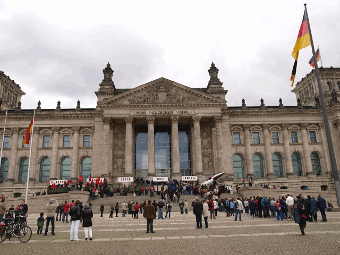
<point x="72" y="204"/>
<point x="211" y="208"/>
<point x="136" y="211"/>
<point x="65" y="213"/>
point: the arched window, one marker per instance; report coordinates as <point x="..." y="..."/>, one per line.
<point x="4" y="169"/>
<point x="338" y="85"/>
<point x="329" y="85"/>
<point x="65" y="169"/>
<point x="86" y="167"/>
<point x="23" y="170"/>
<point x="277" y="165"/>
<point x="238" y="166"/>
<point x="297" y="167"/>
<point x="258" y="165"/>
<point x="44" y="174"/>
<point x="316" y="163"/>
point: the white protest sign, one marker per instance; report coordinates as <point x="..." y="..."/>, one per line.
<point x="160" y="179"/>
<point x="125" y="179"/>
<point x="189" y="178"/>
<point x="94" y="180"/>
<point x="56" y="182"/>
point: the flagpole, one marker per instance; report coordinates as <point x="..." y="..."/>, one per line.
<point x="335" y="172"/>
<point x="29" y="160"/>
<point x="320" y="56"/>
<point x="3" y="137"/>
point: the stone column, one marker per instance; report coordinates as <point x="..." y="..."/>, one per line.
<point x="175" y="157"/>
<point x="34" y="167"/>
<point x="128" y="147"/>
<point x="219" y="143"/>
<point x="287" y="153"/>
<point x="226" y="151"/>
<point x="14" y="150"/>
<point x="54" y="161"/>
<point x="267" y="151"/>
<point x="106" y="142"/>
<point x="151" y="145"/>
<point x="197" y="143"/>
<point x="75" y="154"/>
<point x="305" y="148"/>
<point x="249" y="158"/>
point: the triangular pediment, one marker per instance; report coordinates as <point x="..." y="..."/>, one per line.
<point x="159" y="92"/>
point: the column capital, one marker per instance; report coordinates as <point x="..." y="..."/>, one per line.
<point x="15" y="130"/>
<point x="218" y="118"/>
<point x="107" y="120"/>
<point x="150" y="119"/>
<point x="76" y="128"/>
<point x="55" y="129"/>
<point x="303" y="125"/>
<point x="265" y="126"/>
<point x="128" y="119"/>
<point x="196" y="118"/>
<point x="174" y="119"/>
<point x="284" y="126"/>
<point x="246" y="127"/>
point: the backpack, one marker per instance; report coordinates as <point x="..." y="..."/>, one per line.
<point x="236" y="205"/>
<point x="265" y="202"/>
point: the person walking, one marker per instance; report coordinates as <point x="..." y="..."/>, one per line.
<point x="168" y="209"/>
<point x="238" y="209"/>
<point x="101" y="210"/>
<point x="124" y="209"/>
<point x="87" y="222"/>
<point x="198" y="211"/>
<point x="51" y="207"/>
<point x="300" y="214"/>
<point x="75" y="214"/>
<point x="205" y="212"/>
<point x="186" y="206"/>
<point x="111" y="210"/>
<point x="117" y="209"/>
<point x="66" y="212"/>
<point x="150" y="215"/>
<point x="136" y="211"/>
<point x="322" y="206"/>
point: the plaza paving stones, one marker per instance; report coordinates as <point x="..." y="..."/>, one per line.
<point x="179" y="235"/>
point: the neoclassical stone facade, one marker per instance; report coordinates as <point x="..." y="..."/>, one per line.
<point x="163" y="128"/>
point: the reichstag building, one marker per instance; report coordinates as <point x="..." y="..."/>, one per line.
<point x="163" y="128"/>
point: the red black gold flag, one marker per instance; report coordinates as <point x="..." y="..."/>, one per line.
<point x="27" y="136"/>
<point x="311" y="61"/>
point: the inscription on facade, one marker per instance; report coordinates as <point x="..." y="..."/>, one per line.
<point x="176" y="112"/>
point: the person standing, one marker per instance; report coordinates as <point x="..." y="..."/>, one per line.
<point x="322" y="206"/>
<point x="25" y="207"/>
<point x="300" y="216"/>
<point x="290" y="206"/>
<point x="87" y="222"/>
<point x="186" y="206"/>
<point x="198" y="210"/>
<point x="124" y="209"/>
<point x="117" y="209"/>
<point x="238" y="209"/>
<point x="2" y="208"/>
<point x="51" y="207"/>
<point x="65" y="213"/>
<point x="136" y="211"/>
<point x="313" y="210"/>
<point x="75" y="214"/>
<point x="101" y="210"/>
<point x="205" y="212"/>
<point x="150" y="215"/>
<point x="111" y="210"/>
<point x="168" y="209"/>
<point x="181" y="205"/>
<point x="40" y="223"/>
<point x="160" y="209"/>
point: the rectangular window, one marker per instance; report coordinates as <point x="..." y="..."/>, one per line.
<point x="237" y="138"/>
<point x="256" y="137"/>
<point x="6" y="142"/>
<point x="294" y="137"/>
<point x="86" y="141"/>
<point x="275" y="136"/>
<point x="66" y="141"/>
<point x="46" y="141"/>
<point x="312" y="136"/>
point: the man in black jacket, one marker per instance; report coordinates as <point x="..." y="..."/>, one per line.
<point x="75" y="214"/>
<point x="198" y="210"/>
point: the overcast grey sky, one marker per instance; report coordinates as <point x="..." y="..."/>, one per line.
<point x="56" y="50"/>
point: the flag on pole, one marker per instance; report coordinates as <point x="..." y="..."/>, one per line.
<point x="27" y="136"/>
<point x="311" y="61"/>
<point x="302" y="41"/>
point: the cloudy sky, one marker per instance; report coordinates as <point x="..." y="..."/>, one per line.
<point x="56" y="50"/>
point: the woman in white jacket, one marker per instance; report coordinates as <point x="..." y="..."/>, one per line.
<point x="205" y="212"/>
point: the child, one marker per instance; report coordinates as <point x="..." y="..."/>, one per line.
<point x="40" y="223"/>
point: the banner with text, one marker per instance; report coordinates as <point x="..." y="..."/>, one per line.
<point x="94" y="180"/>
<point x="56" y="182"/>
<point x="125" y="179"/>
<point x="160" y="179"/>
<point x="189" y="178"/>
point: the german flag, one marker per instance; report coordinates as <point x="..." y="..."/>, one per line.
<point x="303" y="38"/>
<point x="292" y="77"/>
<point x="311" y="61"/>
<point x="27" y="136"/>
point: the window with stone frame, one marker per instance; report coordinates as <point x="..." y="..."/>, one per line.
<point x="312" y="136"/>
<point x="86" y="141"/>
<point x="275" y="136"/>
<point x="294" y="137"/>
<point x="66" y="140"/>
<point x="46" y="141"/>
<point x="5" y="143"/>
<point x="256" y="137"/>
<point x="237" y="139"/>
